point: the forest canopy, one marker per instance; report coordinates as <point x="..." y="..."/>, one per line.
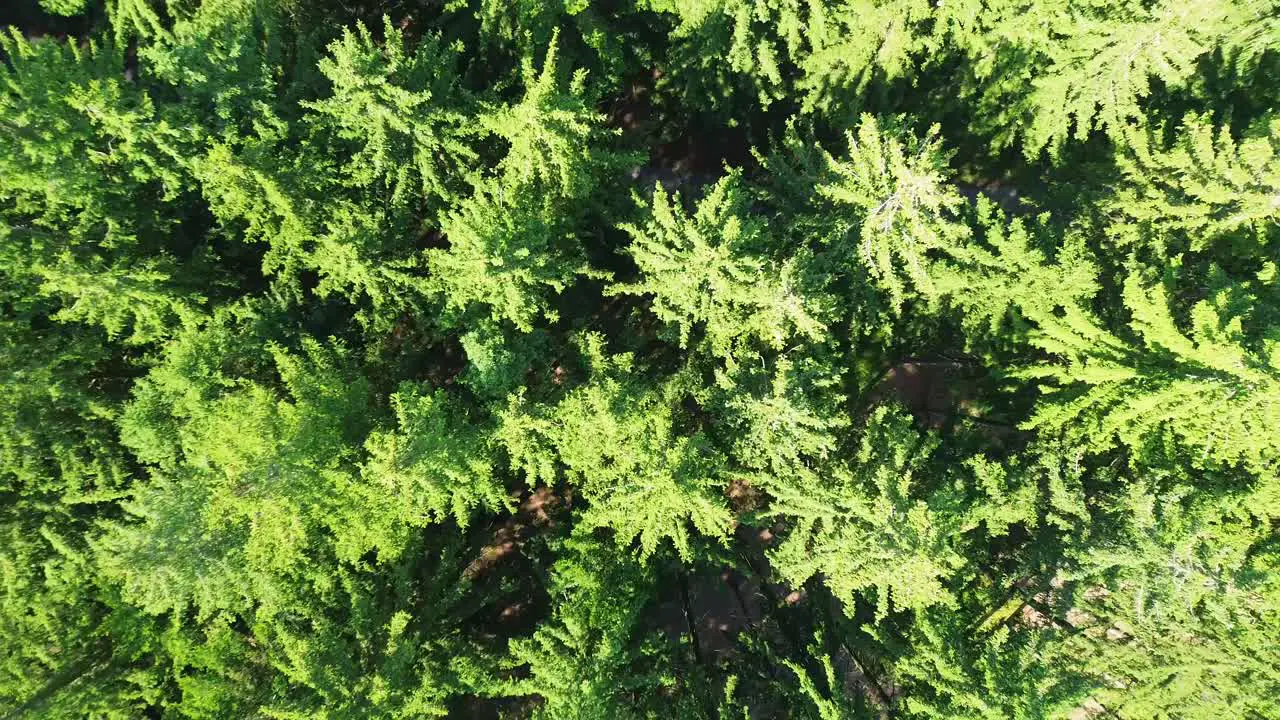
<point x="611" y="359"/>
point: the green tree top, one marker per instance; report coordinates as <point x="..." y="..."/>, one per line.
<point x="557" y="142"/>
<point x="394" y="103"/>
<point x="252" y="495"/>
<point x="892" y="207"/>
<point x="1205" y="190"/>
<point x="621" y="442"/>
<point x="705" y="272"/>
<point x="1210" y="385"/>
<point x="508" y="254"/>
<point x="436" y="464"/>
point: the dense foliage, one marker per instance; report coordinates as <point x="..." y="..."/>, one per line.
<point x="640" y="359"/>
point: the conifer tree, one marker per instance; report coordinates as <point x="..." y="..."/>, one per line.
<point x="877" y="529"/>
<point x="756" y="38"/>
<point x="223" y="56"/>
<point x="590" y="658"/>
<point x="855" y="43"/>
<point x="619" y="442"/>
<point x="59" y="436"/>
<point x="1169" y="567"/>
<point x="789" y="423"/>
<point x="364" y="648"/>
<point x="1101" y="66"/>
<point x="135" y="18"/>
<point x="889" y="207"/>
<point x="498" y="358"/>
<point x="507" y="256"/>
<point x="141" y="298"/>
<point x="833" y="515"/>
<point x="252" y="490"/>
<point x="1004" y="672"/>
<point x="199" y="363"/>
<point x="707" y="358"/>
<point x="63" y="7"/>
<point x="394" y="103"/>
<point x="513" y="242"/>
<point x="1206" y="385"/>
<point x="51" y="623"/>
<point x="1204" y="189"/>
<point x="556" y="141"/>
<point x="704" y="274"/>
<point x="1015" y="272"/>
<point x="438" y="463"/>
<point x="826" y="53"/>
<point x="82" y="147"/>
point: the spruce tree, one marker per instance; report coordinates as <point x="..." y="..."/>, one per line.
<point x="591" y="658"/>
<point x="394" y="102"/>
<point x="1204" y="384"/>
<point x="254" y="487"/>
<point x="436" y="464"/>
<point x="621" y="444"/>
<point x="1205" y="189"/>
<point x="703" y="274"/>
<point x="706" y="359"/>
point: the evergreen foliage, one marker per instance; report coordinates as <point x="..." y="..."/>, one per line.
<point x="641" y="359"/>
<point x="1205" y="386"/>
<point x="428" y="469"/>
<point x="701" y="274"/>
<point x="394" y="104"/>
<point x="620" y="443"/>
<point x="1205" y="188"/>
<point x="591" y="655"/>
<point x="896" y="189"/>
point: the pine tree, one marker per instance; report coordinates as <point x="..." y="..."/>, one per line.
<point x="437" y="463"/>
<point x="880" y="528"/>
<point x="839" y="704"/>
<point x="1178" y="608"/>
<point x="365" y="256"/>
<point x="250" y="496"/>
<point x="498" y="358"/>
<point x="63" y="7"/>
<point x="590" y="659"/>
<point x="130" y="18"/>
<point x="199" y="363"/>
<point x="598" y="37"/>
<point x="206" y="670"/>
<point x="898" y="208"/>
<point x="514" y="241"/>
<point x="507" y="254"/>
<point x="758" y="39"/>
